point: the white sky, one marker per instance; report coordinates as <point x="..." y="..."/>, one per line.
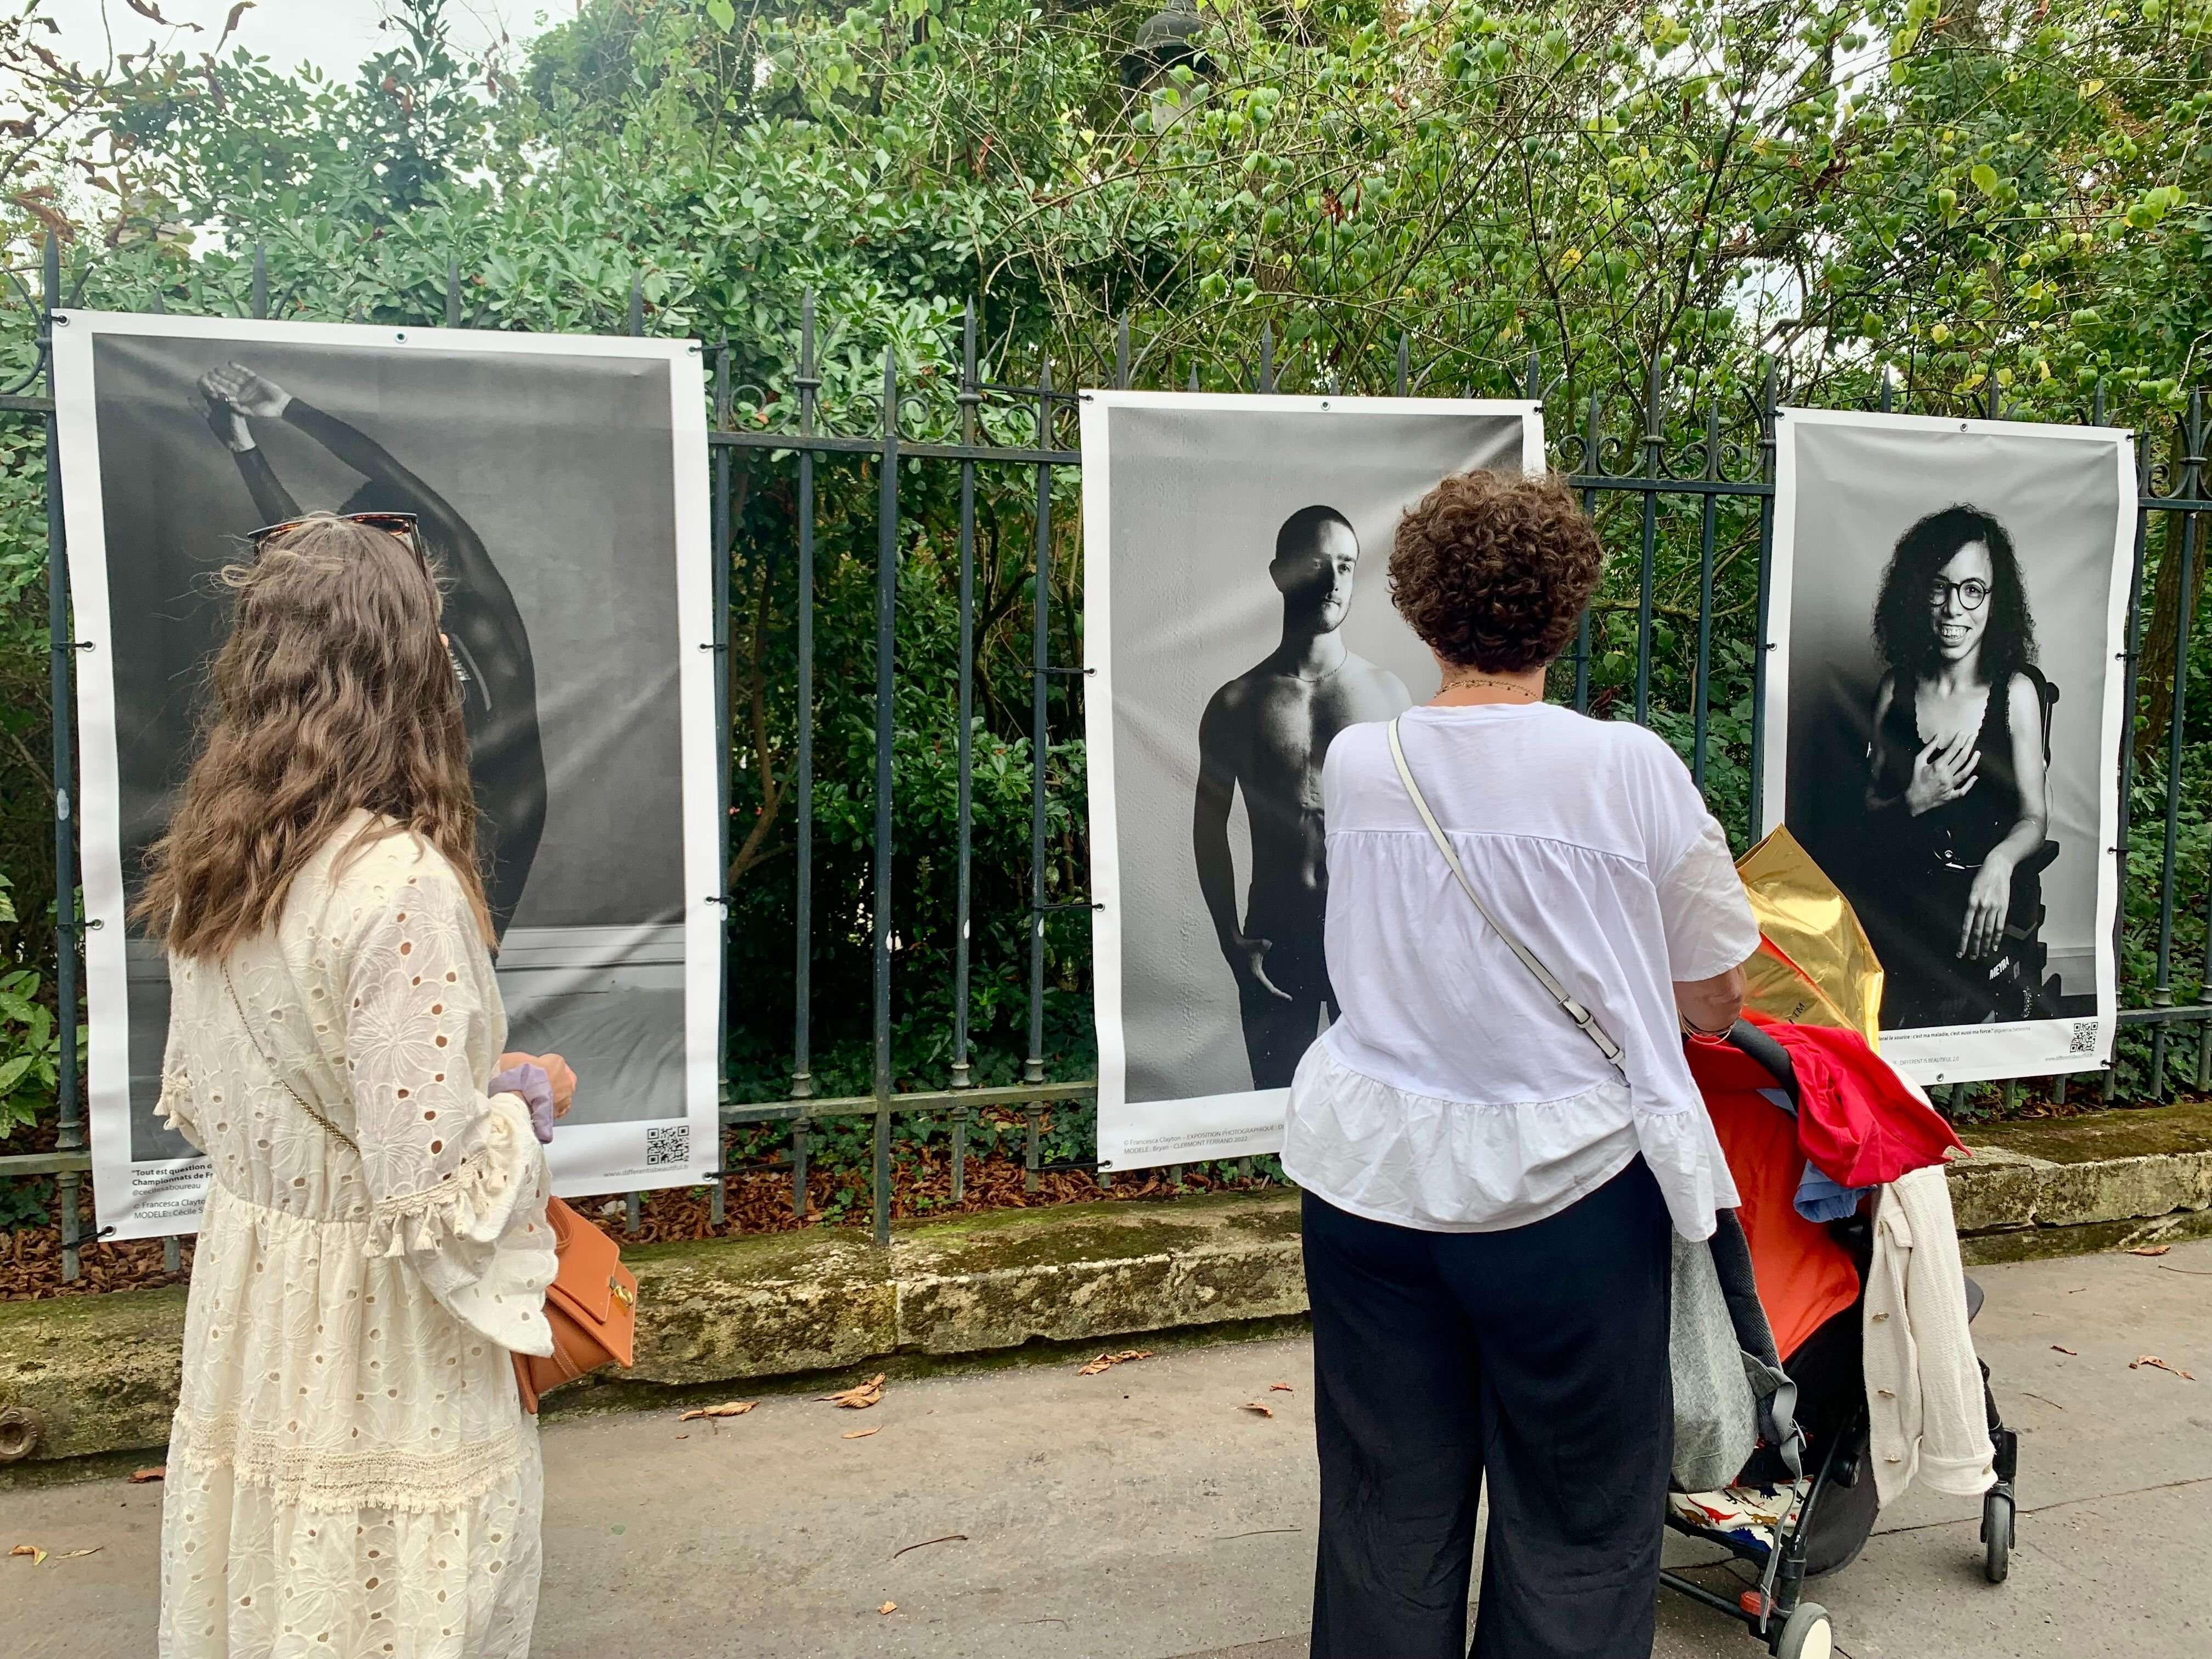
<point x="334" y="35"/>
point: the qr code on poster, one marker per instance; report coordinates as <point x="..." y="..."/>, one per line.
<point x="667" y="1143"/>
<point x="2084" y="1039"/>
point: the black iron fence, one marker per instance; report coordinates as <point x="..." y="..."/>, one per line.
<point x="1681" y="483"/>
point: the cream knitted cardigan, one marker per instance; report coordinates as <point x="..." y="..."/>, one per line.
<point x="1923" y="1385"/>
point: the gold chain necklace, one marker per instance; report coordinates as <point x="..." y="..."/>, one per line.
<point x="1472" y="680"/>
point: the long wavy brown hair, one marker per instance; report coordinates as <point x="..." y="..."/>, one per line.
<point x="333" y="693"/>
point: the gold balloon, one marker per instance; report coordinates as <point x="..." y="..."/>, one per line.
<point x="1814" y="966"/>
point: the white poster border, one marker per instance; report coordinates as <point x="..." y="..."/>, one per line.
<point x="156" y="1198"/>
<point x="1972" y="1054"/>
<point x="1248" y="1124"/>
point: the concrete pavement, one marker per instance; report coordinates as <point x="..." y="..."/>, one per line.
<point x="1145" y="1514"/>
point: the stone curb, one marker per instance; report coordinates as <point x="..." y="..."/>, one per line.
<point x="100" y="1371"/>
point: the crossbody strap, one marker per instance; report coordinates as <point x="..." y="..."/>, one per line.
<point x="246" y="1024"/>
<point x="1544" y="977"/>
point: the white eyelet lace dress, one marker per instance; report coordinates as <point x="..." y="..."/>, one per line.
<point x="350" y="1472"/>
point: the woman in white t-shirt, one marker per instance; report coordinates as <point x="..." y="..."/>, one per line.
<point x="1488" y="1199"/>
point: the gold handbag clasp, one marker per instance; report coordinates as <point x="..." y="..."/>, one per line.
<point x="622" y="1293"/>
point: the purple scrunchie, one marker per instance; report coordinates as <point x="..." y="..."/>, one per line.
<point x="537" y="1091"/>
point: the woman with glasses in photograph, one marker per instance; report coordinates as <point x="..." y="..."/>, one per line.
<point x="350" y="1470"/>
<point x="1956" y="786"/>
<point x="490" y="647"/>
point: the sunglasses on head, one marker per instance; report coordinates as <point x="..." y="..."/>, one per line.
<point x="404" y="526"/>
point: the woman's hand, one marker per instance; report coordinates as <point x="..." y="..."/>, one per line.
<point x="246" y="391"/>
<point x="1708" y="1007"/>
<point x="222" y="417"/>
<point x="1941" y="773"/>
<point x="558" y="1073"/>
<point x="1988" y="901"/>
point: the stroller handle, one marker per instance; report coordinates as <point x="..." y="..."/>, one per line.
<point x="1768" y="1052"/>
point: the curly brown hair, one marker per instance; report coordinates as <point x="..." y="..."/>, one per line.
<point x="333" y="693"/>
<point x="1493" y="569"/>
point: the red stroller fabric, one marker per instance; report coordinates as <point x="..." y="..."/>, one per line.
<point x="1805" y="1277"/>
<point x="1856" y="1121"/>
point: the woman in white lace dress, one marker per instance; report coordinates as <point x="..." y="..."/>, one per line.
<point x="350" y="1472"/>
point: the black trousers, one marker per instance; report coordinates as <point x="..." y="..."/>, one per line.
<point x="1535" y="1358"/>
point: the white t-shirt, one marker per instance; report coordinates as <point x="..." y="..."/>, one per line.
<point x="1452" y="1094"/>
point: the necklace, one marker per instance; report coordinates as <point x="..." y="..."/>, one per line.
<point x="1467" y="682"/>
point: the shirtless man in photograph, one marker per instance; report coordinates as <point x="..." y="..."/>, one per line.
<point x="1267" y="732"/>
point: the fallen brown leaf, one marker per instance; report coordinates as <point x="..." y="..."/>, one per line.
<point x="2155" y="1363"/>
<point x="1280" y="1388"/>
<point x="727" y="1408"/>
<point x="858" y="1399"/>
<point x="861" y="1434"/>
<point x="1106" y="1362"/>
<point x="1255" y="1406"/>
<point x="2055" y="1348"/>
<point x="36" y="1555"/>
<point x="72" y="1555"/>
<point x="158" y="1471"/>
<point x="888" y="1607"/>
<point x="949" y="1538"/>
<point x="2152" y="1249"/>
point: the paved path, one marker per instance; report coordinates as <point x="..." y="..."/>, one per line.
<point x="1141" y="1514"/>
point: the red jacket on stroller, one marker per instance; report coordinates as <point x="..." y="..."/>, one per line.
<point x="1855" y="1121"/>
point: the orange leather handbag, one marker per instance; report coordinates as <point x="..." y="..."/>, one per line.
<point x="592" y="1305"/>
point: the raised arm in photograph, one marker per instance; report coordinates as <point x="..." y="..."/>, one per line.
<point x="484" y="625"/>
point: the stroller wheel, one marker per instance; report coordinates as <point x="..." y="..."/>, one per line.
<point x="1805" y="1634"/>
<point x="1996" y="1535"/>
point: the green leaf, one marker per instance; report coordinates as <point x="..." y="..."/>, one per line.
<point x="1985" y="178"/>
<point x="11" y="1071"/>
<point x="724" y="14"/>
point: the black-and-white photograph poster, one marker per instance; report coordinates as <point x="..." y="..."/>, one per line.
<point x="1944" y="720"/>
<point x="559" y="484"/>
<point x="1237" y="616"/>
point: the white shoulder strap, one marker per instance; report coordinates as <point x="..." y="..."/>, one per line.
<point x="1544" y="977"/>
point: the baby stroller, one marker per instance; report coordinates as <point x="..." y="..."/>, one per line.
<point x="1805" y="1288"/>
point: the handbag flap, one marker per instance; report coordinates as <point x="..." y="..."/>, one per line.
<point x="588" y="1278"/>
